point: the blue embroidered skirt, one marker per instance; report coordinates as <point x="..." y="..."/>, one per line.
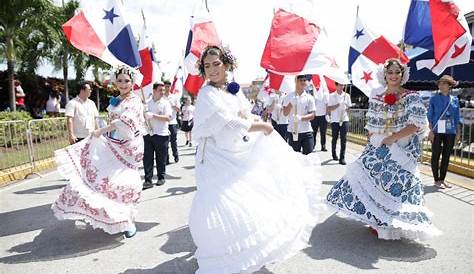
<point x="383" y="189"/>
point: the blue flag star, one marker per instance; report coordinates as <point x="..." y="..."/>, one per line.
<point x="359" y="33"/>
<point x="110" y="15"/>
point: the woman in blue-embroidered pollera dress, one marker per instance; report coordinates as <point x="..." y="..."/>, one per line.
<point x="382" y="188"/>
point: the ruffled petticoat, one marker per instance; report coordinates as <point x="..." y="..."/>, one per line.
<point x="383" y="189"/>
<point x="104" y="182"/>
<point x="253" y="207"/>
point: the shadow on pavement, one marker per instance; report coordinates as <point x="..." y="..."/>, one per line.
<point x="39" y="190"/>
<point x="329" y="183"/>
<point x="174" y="191"/>
<point x="350" y="242"/>
<point x="431" y="189"/>
<point x="329" y="162"/>
<point x="61" y="241"/>
<point x="189" y="167"/>
<point x="171" y="177"/>
<point x="26" y="220"/>
<point x="179" y="241"/>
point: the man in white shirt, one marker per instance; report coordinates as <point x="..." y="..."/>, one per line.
<point x="279" y="121"/>
<point x="156" y="142"/>
<point x="81" y="115"/>
<point x="173" y="124"/>
<point x="338" y="105"/>
<point x="321" y="98"/>
<point x="299" y="107"/>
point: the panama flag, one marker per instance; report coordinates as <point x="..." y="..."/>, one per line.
<point x="438" y="25"/>
<point x="202" y="34"/>
<point x="298" y="46"/>
<point x="328" y="84"/>
<point x="149" y="68"/>
<point x="366" y="53"/>
<point x="102" y="30"/>
<point x="176" y="88"/>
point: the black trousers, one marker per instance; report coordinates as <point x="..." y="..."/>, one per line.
<point x="156" y="147"/>
<point x="281" y="129"/>
<point x="305" y="142"/>
<point x="319" y="122"/>
<point x="442" y="145"/>
<point x="173" y="137"/>
<point x="339" y="130"/>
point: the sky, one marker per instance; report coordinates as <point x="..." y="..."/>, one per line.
<point x="244" y="25"/>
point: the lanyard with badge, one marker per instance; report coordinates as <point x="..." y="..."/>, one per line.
<point x="444" y="122"/>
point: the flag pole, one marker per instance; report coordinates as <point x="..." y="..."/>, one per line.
<point x="142" y="93"/>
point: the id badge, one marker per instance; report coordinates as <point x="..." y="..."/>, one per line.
<point x="442" y="126"/>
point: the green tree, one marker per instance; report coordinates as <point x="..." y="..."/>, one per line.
<point x="17" y="17"/>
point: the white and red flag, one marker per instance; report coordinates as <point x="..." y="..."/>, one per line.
<point x="297" y="46"/>
<point x="202" y="34"/>
<point x="439" y="26"/>
<point x="149" y="68"/>
<point x="367" y="51"/>
<point x="176" y="88"/>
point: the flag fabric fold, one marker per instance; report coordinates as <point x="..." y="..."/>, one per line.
<point x="438" y="26"/>
<point x="149" y="68"/>
<point x="297" y="46"/>
<point x="101" y="30"/>
<point x="202" y="34"/>
<point x="367" y="51"/>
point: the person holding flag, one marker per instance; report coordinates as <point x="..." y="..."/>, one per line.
<point x="257" y="200"/>
<point x="383" y="188"/>
<point x="338" y="104"/>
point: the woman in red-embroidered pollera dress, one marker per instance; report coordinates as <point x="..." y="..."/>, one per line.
<point x="104" y="182"/>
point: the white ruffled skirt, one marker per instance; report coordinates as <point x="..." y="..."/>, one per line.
<point x="252" y="207"/>
<point x="383" y="189"/>
<point x="104" y="182"/>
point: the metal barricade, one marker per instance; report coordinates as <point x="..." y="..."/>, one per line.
<point x="46" y="136"/>
<point x="13" y="144"/>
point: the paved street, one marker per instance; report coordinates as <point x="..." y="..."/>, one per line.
<point x="33" y="241"/>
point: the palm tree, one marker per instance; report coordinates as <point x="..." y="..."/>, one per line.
<point x="16" y="15"/>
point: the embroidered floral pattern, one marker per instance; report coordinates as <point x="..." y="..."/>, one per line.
<point x="408" y="110"/>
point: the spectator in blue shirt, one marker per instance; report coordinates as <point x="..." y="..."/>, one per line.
<point x="444" y="121"/>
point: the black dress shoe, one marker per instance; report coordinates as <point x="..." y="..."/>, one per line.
<point x="342" y="162"/>
<point x="324" y="149"/>
<point x="176" y="159"/>
<point x="147" y="185"/>
<point x="335" y="158"/>
<point x="160" y="182"/>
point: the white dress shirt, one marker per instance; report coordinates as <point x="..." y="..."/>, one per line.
<point x="160" y="107"/>
<point x="340" y="114"/>
<point x="83" y="115"/>
<point x="277" y="112"/>
<point x="321" y="99"/>
<point x="174" y="102"/>
<point x="303" y="104"/>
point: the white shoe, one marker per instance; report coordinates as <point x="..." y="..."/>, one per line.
<point x="80" y="224"/>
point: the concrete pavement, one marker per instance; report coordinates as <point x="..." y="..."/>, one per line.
<point x="33" y="241"/>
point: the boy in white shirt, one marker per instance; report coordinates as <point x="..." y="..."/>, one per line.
<point x="338" y="105"/>
<point x="81" y="115"/>
<point x="173" y="123"/>
<point x="279" y="121"/>
<point x="321" y="98"/>
<point x="156" y="143"/>
<point x="299" y="107"/>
